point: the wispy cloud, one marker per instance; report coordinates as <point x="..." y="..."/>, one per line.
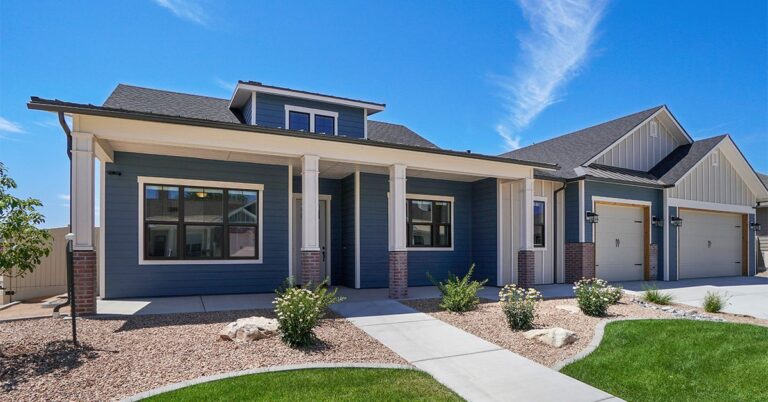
<point x="554" y="50"/>
<point x="64" y="197"/>
<point x="229" y="86"/>
<point x="9" y="126"/>
<point x="50" y="123"/>
<point x="190" y="10"/>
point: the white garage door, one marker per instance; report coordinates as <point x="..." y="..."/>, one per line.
<point x="710" y="244"/>
<point x="619" y="243"/>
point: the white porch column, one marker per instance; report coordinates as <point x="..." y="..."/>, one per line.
<point x="310" y="220"/>
<point x="397" y="205"/>
<point x="310" y="207"/>
<point x="398" y="253"/>
<point x="526" y="259"/>
<point x="82" y="191"/>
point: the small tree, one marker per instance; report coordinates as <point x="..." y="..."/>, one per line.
<point x="22" y="244"/>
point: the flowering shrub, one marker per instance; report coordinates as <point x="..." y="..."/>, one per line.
<point x="459" y="294"/>
<point x="299" y="310"/>
<point x="595" y="295"/>
<point x="519" y="306"/>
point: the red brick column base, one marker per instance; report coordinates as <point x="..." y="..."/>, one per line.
<point x="310" y="267"/>
<point x="526" y="268"/>
<point x="398" y="274"/>
<point x="84" y="270"/>
<point x="653" y="255"/>
<point x="579" y="261"/>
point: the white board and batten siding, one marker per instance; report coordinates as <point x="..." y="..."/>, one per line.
<point x="714" y="180"/>
<point x="510" y="232"/>
<point x="640" y="150"/>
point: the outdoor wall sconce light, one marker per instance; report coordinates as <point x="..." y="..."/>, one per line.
<point x="592" y="217"/>
<point x="656" y="221"/>
<point x="755" y="226"/>
<point x="676" y="221"/>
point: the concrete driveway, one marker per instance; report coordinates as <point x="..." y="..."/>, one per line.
<point x="747" y="295"/>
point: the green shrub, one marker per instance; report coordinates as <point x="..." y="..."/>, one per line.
<point x="594" y="296"/>
<point x="714" y="302"/>
<point x="652" y="294"/>
<point x="519" y="306"/>
<point x="300" y="309"/>
<point x="459" y="294"/>
<point x="614" y="293"/>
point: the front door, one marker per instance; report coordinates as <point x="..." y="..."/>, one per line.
<point x="325" y="256"/>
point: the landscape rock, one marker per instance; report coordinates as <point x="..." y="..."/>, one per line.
<point x="556" y="337"/>
<point x="249" y="329"/>
<point x="569" y="308"/>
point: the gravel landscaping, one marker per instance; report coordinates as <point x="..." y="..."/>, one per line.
<point x="123" y="356"/>
<point x="488" y="322"/>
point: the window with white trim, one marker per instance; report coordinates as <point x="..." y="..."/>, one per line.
<point x="311" y="120"/>
<point x="539" y="223"/>
<point x="715" y="158"/>
<point x="190" y="222"/>
<point x="429" y="223"/>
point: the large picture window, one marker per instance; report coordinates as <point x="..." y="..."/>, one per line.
<point x="200" y="223"/>
<point x="539" y="223"/>
<point x="429" y="223"/>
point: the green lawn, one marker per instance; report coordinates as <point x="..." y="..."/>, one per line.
<point x="678" y="360"/>
<point x="344" y="384"/>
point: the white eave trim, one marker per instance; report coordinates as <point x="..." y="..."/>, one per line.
<point x="371" y="107"/>
<point x="637" y="127"/>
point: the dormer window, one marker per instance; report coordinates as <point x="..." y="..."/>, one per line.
<point x="311" y="120"/>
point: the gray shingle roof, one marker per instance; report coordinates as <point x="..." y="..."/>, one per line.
<point x="763" y="178"/>
<point x="396" y="134"/>
<point x="683" y="159"/>
<point x="138" y="99"/>
<point x="572" y="150"/>
<point x="147" y="100"/>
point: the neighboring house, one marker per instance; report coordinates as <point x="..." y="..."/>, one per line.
<point x="644" y="201"/>
<point x="203" y="195"/>
<point x="762" y="219"/>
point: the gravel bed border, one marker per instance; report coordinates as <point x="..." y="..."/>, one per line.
<point x="289" y="367"/>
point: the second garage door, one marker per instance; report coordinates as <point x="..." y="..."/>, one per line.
<point x="619" y="248"/>
<point x="710" y="244"/>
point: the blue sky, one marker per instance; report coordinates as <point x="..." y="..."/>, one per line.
<point x="484" y="76"/>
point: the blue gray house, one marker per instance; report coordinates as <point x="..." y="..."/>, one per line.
<point x="204" y="195"/>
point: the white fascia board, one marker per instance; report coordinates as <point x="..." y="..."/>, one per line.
<point x="630" y="132"/>
<point x="710" y="206"/>
<point x="216" y="139"/>
<point x="243" y="87"/>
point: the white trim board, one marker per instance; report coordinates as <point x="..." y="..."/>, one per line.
<point x="710" y="206"/>
<point x="142" y="180"/>
<point x="312" y="113"/>
<point x="428" y="197"/>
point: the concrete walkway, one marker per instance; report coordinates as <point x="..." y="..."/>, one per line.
<point x="474" y="368"/>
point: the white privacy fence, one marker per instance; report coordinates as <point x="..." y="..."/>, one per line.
<point x="48" y="279"/>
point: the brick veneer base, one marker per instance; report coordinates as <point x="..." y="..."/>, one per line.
<point x="84" y="270"/>
<point x="398" y="274"/>
<point x="526" y="268"/>
<point x="654" y="259"/>
<point x="579" y="261"/>
<point x="310" y="267"/>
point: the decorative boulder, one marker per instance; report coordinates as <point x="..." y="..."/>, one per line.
<point x="557" y="337"/>
<point x="249" y="329"/>
<point x="569" y="308"/>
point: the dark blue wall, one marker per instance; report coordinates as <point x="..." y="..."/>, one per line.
<point x="484" y="229"/>
<point x="374" y="239"/>
<point x="246" y="111"/>
<point x="752" y="263"/>
<point x="672" y="246"/>
<point x="270" y="112"/>
<point x="652" y="195"/>
<point x="440" y="263"/>
<point x="348" y="230"/>
<point x="572" y="212"/>
<point x="125" y="278"/>
<point x="333" y="188"/>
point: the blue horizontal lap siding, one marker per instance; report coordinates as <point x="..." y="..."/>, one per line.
<point x="333" y="188"/>
<point x="126" y="278"/>
<point x="440" y="263"/>
<point x="635" y="193"/>
<point x="374" y="239"/>
<point x="672" y="246"/>
<point x="572" y="212"/>
<point x="270" y="112"/>
<point x="752" y="267"/>
<point x="247" y="111"/>
<point x="348" y="230"/>
<point x="484" y="229"/>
